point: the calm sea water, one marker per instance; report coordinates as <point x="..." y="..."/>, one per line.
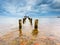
<point x="50" y="26"/>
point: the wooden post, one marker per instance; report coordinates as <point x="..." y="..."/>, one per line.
<point x="24" y="19"/>
<point x="30" y="20"/>
<point x="35" y="31"/>
<point x="20" y="27"/>
<point x="36" y="24"/>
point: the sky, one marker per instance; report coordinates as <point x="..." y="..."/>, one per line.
<point x="33" y="8"/>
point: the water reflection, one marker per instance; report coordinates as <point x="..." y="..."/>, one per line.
<point x="49" y="33"/>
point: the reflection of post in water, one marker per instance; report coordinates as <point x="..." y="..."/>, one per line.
<point x="20" y="27"/>
<point x="35" y="31"/>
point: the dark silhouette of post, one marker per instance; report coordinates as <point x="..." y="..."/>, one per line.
<point x="35" y="31"/>
<point x="30" y="20"/>
<point x="20" y="27"/>
<point x="36" y="24"/>
<point x="24" y="19"/>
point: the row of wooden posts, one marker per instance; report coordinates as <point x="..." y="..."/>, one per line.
<point x="34" y="31"/>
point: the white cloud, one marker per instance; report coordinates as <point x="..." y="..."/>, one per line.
<point x="44" y="8"/>
<point x="57" y="0"/>
<point x="17" y="9"/>
<point x="22" y="7"/>
<point x="11" y="9"/>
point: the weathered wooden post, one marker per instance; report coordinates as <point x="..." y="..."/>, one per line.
<point x="24" y="19"/>
<point x="36" y="24"/>
<point x="20" y="27"/>
<point x="35" y="31"/>
<point x="30" y="20"/>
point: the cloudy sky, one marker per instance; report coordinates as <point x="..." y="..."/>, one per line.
<point x="33" y="8"/>
<point x="12" y="10"/>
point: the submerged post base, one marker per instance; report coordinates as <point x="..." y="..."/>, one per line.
<point x="35" y="32"/>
